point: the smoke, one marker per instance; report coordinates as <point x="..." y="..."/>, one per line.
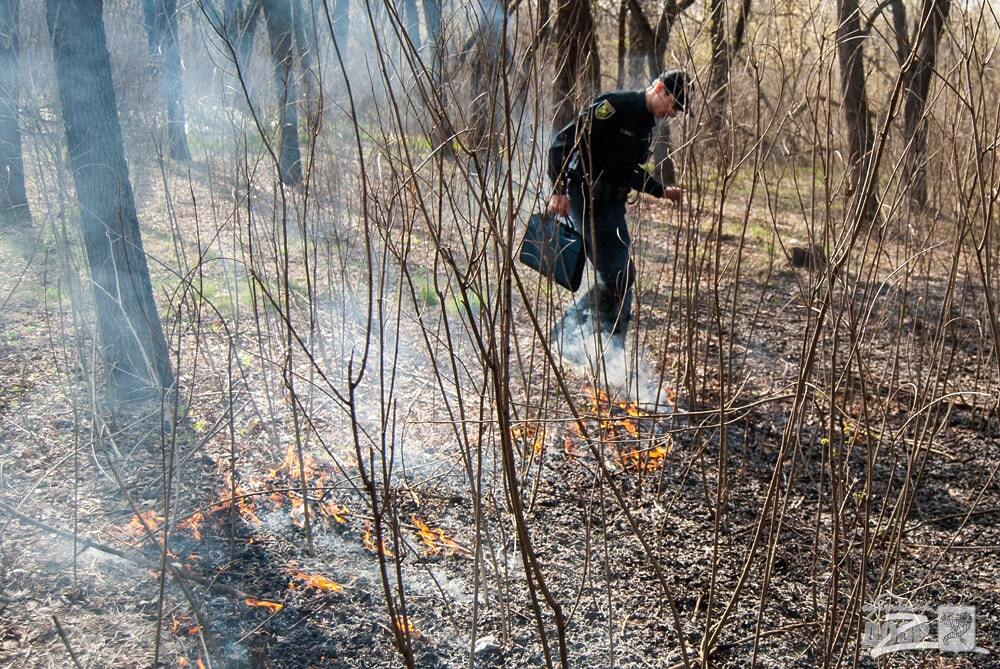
<point x="623" y="367"/>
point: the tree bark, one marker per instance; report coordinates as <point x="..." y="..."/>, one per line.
<point x="132" y="341"/>
<point x="901" y="35"/>
<point x="13" y="199"/>
<point x="647" y="52"/>
<point x="578" y="66"/>
<point x="860" y="138"/>
<point x="641" y="49"/>
<point x="411" y="20"/>
<point x="934" y="13"/>
<point x="161" y="31"/>
<point x="305" y="48"/>
<point x="281" y="34"/>
<point x="718" y="77"/>
<point x="341" y="16"/>
<point x="240" y="25"/>
<point x="432" y="20"/>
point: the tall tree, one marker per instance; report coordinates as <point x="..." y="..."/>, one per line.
<point x="161" y="31"/>
<point x="723" y="52"/>
<point x="648" y="41"/>
<point x="13" y="200"/>
<point x="860" y="138"/>
<point x="340" y="17"/>
<point x="483" y="59"/>
<point x="407" y="10"/>
<point x="281" y="34"/>
<point x="305" y="51"/>
<point x="432" y="20"/>
<point x="933" y="15"/>
<point x="578" y="66"/>
<point x="240" y="23"/>
<point x="647" y="55"/>
<point x="132" y="341"/>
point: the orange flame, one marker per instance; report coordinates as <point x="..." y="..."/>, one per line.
<point x="136" y="528"/>
<point x="404" y="625"/>
<point x="290" y="465"/>
<point x="201" y="665"/>
<point x="436" y="540"/>
<point x="569" y="448"/>
<point x="529" y="434"/>
<point x="318" y="582"/>
<point x="193" y="523"/>
<point x="245" y="504"/>
<point x="648" y="460"/>
<point x="337" y="512"/>
<point x="273" y="607"/>
<point x="369" y="540"/>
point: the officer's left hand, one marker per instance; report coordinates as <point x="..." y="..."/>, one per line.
<point x="673" y="193"/>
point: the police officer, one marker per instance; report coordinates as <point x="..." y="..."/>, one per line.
<point x="593" y="164"/>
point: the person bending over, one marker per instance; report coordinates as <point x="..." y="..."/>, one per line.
<point x="593" y="163"/>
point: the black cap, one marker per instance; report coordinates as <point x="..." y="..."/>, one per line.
<point x="678" y="85"/>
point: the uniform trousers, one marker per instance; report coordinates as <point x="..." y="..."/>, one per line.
<point x="598" y="213"/>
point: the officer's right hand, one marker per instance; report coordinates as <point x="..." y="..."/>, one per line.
<point x="559" y="205"/>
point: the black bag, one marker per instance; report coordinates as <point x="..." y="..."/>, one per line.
<point x="552" y="247"/>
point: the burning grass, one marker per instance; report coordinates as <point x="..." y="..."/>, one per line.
<point x="635" y="439"/>
<point x="273" y="607"/>
<point x="315" y="581"/>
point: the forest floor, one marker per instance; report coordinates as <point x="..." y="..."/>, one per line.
<point x="69" y="468"/>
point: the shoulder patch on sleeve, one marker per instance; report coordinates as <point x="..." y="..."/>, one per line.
<point x="604" y="110"/>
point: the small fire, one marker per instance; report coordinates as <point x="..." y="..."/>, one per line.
<point x="290" y="465"/>
<point x="404" y="625"/>
<point x="244" y="503"/>
<point x="337" y="512"/>
<point x="369" y="540"/>
<point x="193" y="523"/>
<point x="621" y="424"/>
<point x="318" y="582"/>
<point x="436" y="540"/>
<point x="201" y="665"/>
<point x="273" y="607"/>
<point x="648" y="460"/>
<point x="136" y="527"/>
<point x="529" y="434"/>
<point x="569" y="448"/>
<point x="185" y="624"/>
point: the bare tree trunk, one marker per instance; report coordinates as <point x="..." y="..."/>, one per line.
<point x="305" y="48"/>
<point x="902" y="39"/>
<point x="13" y="199"/>
<point x="718" y="75"/>
<point x="132" y="341"/>
<point x="411" y="19"/>
<point x="860" y="138"/>
<point x="240" y="25"/>
<point x="432" y="20"/>
<point x="578" y="66"/>
<point x="161" y="31"/>
<point x="641" y="50"/>
<point x="281" y="34"/>
<point x="341" y="16"/>
<point x="934" y="13"/>
<point x="648" y="48"/>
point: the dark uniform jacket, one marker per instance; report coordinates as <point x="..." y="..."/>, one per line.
<point x="606" y="145"/>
